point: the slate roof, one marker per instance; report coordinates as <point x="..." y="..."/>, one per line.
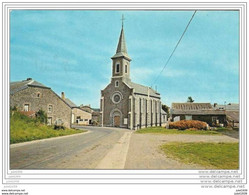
<point x="70" y="103"/>
<point x="20" y="85"/>
<point x="230" y="106"/>
<point x="96" y="109"/>
<point x="194" y="109"/>
<point x="141" y="89"/>
<point x="232" y="115"/>
<point x="198" y="112"/>
<point x="191" y="106"/>
<point x="121" y="48"/>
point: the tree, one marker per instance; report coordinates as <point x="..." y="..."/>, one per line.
<point x="166" y="109"/>
<point x="190" y="99"/>
<point x="41" y="116"/>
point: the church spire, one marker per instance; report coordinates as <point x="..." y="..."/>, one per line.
<point x="121" y="48"/>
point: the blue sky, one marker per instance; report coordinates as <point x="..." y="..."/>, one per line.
<point x="70" y="51"/>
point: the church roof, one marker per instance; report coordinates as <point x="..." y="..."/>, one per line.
<point x="141" y="89"/>
<point x="20" y="85"/>
<point x="121" y="49"/>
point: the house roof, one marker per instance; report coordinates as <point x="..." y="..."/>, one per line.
<point x="141" y="89"/>
<point x="191" y="106"/>
<point x="121" y="48"/>
<point x="96" y="109"/>
<point x="20" y="85"/>
<point x="70" y="103"/>
<point x="232" y="115"/>
<point x="194" y="109"/>
<point x="230" y="106"/>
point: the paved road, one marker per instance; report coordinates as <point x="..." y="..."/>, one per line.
<point x="81" y="151"/>
<point x="104" y="148"/>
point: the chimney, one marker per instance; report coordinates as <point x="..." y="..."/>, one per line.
<point x="215" y="104"/>
<point x="63" y="95"/>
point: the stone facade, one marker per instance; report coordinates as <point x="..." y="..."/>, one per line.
<point x="119" y="109"/>
<point x="30" y="95"/>
<point x="127" y="104"/>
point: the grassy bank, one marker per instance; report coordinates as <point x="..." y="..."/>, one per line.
<point x="210" y="155"/>
<point x="23" y="128"/>
<point x="162" y="130"/>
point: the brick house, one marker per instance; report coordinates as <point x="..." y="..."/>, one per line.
<point x="31" y="96"/>
<point x="197" y="111"/>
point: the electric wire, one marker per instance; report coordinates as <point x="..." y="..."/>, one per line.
<point x="175" y="48"/>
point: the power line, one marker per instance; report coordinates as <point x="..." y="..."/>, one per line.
<point x="175" y="48"/>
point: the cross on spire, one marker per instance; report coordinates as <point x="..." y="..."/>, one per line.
<point x="122" y="20"/>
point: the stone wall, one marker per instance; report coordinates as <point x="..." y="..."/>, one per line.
<point x="138" y="110"/>
<point x="108" y="107"/>
<point x="47" y="100"/>
<point x="147" y="111"/>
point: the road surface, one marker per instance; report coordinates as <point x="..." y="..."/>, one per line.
<point x="99" y="148"/>
<point x="104" y="148"/>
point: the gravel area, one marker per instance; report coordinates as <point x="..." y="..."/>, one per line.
<point x="145" y="153"/>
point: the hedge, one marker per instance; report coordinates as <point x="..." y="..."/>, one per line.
<point x="188" y="124"/>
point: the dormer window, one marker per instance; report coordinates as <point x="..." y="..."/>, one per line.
<point x="117" y="68"/>
<point x="116" y="83"/>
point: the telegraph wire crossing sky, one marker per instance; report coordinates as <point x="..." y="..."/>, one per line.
<point x="70" y="51"/>
<point x="174" y="48"/>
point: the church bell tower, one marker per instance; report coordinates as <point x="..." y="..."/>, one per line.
<point x="121" y="60"/>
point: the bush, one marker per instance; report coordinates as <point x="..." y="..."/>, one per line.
<point x="188" y="124"/>
<point x="41" y="116"/>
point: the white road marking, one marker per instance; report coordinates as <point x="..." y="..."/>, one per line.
<point x="116" y="157"/>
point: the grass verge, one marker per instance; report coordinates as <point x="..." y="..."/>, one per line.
<point x="210" y="155"/>
<point x="162" y="130"/>
<point x="23" y="128"/>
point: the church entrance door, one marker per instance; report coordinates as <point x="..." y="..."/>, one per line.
<point x="116" y="121"/>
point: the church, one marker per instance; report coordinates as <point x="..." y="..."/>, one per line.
<point x="127" y="104"/>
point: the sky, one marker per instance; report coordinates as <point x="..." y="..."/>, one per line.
<point x="70" y="51"/>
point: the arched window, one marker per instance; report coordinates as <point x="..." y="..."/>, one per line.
<point x="126" y="68"/>
<point x="117" y="68"/>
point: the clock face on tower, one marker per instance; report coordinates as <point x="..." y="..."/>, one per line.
<point x="116" y="98"/>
